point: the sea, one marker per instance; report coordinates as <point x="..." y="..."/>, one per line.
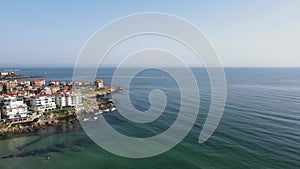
<point x="260" y="126"/>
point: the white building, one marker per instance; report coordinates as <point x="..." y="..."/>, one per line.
<point x="67" y="99"/>
<point x="47" y="90"/>
<point x="42" y="103"/>
<point x="24" y="83"/>
<point x="53" y="82"/>
<point x="99" y="83"/>
<point x="14" y="107"/>
<point x="38" y="82"/>
<point x="60" y="100"/>
<point x="74" y="99"/>
<point x="4" y="73"/>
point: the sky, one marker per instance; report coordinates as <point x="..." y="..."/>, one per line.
<point x="245" y="33"/>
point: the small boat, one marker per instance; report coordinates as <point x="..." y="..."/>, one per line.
<point x="106" y="110"/>
<point x="95" y="118"/>
<point x="113" y="109"/>
<point x="86" y="119"/>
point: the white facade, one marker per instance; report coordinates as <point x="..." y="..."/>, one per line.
<point x="99" y="83"/>
<point x="47" y="90"/>
<point x="42" y="103"/>
<point x="14" y="107"/>
<point x="63" y="100"/>
<point x="74" y="100"/>
<point x="60" y="101"/>
<point x="38" y="82"/>
<point x="4" y="73"/>
<point x="53" y="82"/>
<point x="24" y="83"/>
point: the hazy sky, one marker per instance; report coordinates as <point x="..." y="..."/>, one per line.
<point x="244" y="32"/>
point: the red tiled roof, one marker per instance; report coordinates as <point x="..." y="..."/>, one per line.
<point x="99" y="80"/>
<point x="41" y="95"/>
<point x="39" y="79"/>
<point x="14" y="92"/>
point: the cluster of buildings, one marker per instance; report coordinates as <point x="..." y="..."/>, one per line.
<point x="19" y="99"/>
<point x="7" y="73"/>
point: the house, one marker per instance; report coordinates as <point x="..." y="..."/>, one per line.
<point x="50" y="90"/>
<point x="38" y="82"/>
<point x="53" y="82"/>
<point x="86" y="83"/>
<point x="10" y="85"/>
<point x="99" y="83"/>
<point x="63" y="83"/>
<point x="69" y="83"/>
<point x="42" y="103"/>
<point x="24" y="83"/>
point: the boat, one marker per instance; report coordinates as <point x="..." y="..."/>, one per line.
<point x="113" y="109"/>
<point x="86" y="119"/>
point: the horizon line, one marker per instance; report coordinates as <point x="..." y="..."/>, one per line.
<point x="69" y="66"/>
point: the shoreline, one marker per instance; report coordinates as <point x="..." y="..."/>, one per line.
<point x="28" y="106"/>
<point x="67" y="125"/>
<point x="55" y="118"/>
<point x="18" y="77"/>
<point x="30" y="127"/>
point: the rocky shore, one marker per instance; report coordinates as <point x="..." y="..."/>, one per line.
<point x="59" y="117"/>
<point x="17" y="77"/>
<point x="52" y="120"/>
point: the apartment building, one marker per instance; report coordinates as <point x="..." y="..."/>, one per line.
<point x="67" y="99"/>
<point x="13" y="107"/>
<point x="42" y="103"/>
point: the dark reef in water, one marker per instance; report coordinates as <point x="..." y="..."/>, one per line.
<point x="73" y="145"/>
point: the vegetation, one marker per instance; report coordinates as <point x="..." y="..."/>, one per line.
<point x="59" y="112"/>
<point x="102" y="89"/>
<point x="3" y="125"/>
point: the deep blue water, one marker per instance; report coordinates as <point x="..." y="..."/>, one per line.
<point x="259" y="128"/>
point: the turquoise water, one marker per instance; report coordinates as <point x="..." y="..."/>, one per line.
<point x="259" y="128"/>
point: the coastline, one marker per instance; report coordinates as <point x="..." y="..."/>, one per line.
<point x="56" y="118"/>
<point x="30" y="127"/>
<point x="18" y="77"/>
<point x="30" y="105"/>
